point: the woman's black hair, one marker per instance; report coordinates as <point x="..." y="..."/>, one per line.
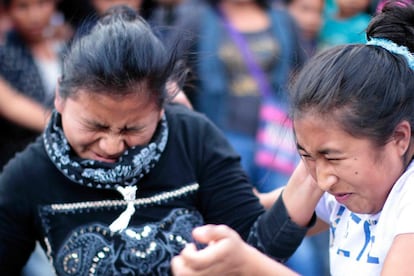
<point x="395" y="22"/>
<point x="120" y="55"/>
<point x="368" y="89"/>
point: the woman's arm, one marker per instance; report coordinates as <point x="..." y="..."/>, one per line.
<point x="301" y="195"/>
<point x="225" y="254"/>
<point x="178" y="94"/>
<point x="269" y="198"/>
<point x="20" y="109"/>
<point x="280" y="230"/>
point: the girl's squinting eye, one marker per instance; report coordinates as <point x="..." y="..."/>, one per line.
<point x="333" y="159"/>
<point x="99" y="128"/>
<point x="130" y="130"/>
<point x="133" y="129"/>
<point x="305" y="156"/>
<point x="95" y="127"/>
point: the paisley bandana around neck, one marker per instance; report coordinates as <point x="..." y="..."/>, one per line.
<point x="130" y="168"/>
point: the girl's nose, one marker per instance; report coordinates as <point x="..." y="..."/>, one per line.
<point x="112" y="146"/>
<point x="325" y="178"/>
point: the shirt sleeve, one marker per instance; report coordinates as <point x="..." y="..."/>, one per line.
<point x="275" y="234"/>
<point x="225" y="195"/>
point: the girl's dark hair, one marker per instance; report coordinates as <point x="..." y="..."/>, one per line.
<point x="120" y="55"/>
<point x="395" y="22"/>
<point x="368" y="89"/>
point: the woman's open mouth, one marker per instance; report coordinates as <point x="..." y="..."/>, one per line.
<point x="342" y="198"/>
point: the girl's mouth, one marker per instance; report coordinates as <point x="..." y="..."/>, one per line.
<point x="342" y="198"/>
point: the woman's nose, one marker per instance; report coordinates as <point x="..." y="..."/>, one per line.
<point x="325" y="178"/>
<point x="112" y="145"/>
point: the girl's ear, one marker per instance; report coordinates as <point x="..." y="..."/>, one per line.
<point x="402" y="137"/>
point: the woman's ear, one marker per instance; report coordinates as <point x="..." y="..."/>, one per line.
<point x="59" y="102"/>
<point x="402" y="137"/>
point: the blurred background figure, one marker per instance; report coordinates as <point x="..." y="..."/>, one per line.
<point x="170" y="15"/>
<point x="101" y="6"/>
<point x="30" y="64"/>
<point x="380" y="4"/>
<point x="20" y="109"/>
<point x="4" y="23"/>
<point x="83" y="19"/>
<point x="345" y="22"/>
<point x="166" y="12"/>
<point x="226" y="90"/>
<point x="308" y="14"/>
<point x="77" y="11"/>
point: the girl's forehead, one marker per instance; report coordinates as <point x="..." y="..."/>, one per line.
<point x="321" y="135"/>
<point x="107" y="108"/>
<point x="137" y="89"/>
<point x="314" y="121"/>
<point x="136" y="96"/>
<point x="312" y="113"/>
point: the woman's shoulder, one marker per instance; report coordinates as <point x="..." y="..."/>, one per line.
<point x="175" y="111"/>
<point x="28" y="162"/>
<point x="190" y="121"/>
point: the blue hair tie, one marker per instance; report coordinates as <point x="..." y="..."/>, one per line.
<point x="393" y="48"/>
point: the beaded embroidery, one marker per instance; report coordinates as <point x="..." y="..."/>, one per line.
<point x="146" y="250"/>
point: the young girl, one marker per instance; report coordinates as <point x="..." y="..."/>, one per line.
<point x="353" y="114"/>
